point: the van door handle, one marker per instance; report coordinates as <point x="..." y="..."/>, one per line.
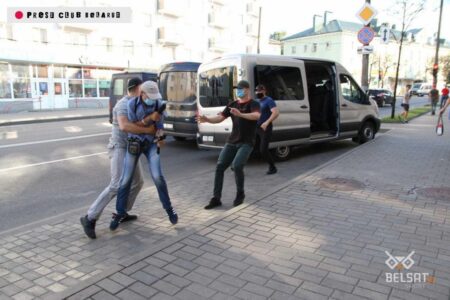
<point x="304" y="106"/>
<point x="344" y="105"/>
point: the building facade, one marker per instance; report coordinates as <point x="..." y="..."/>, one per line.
<point x="52" y="66"/>
<point x="337" y="40"/>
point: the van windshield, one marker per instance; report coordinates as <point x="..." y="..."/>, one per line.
<point x="178" y="86"/>
<point x="416" y="85"/>
<point x="216" y="86"/>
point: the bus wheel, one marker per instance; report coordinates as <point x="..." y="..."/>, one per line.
<point x="179" y="138"/>
<point x="282" y="153"/>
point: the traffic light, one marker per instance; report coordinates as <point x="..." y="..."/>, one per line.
<point x="435" y="69"/>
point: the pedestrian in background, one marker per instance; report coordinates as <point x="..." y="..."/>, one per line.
<point x="117" y="149"/>
<point x="269" y="112"/>
<point x="444" y="95"/>
<point x="138" y="110"/>
<point x="434" y="99"/>
<point x="244" y="113"/>
<point x="405" y="104"/>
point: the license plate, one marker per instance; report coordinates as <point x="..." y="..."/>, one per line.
<point x="207" y="138"/>
<point x="168" y="126"/>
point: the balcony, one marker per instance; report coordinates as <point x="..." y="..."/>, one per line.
<point x="216" y="20"/>
<point x="170" y="8"/>
<point x="216" y="46"/>
<point x="168" y="36"/>
<point x="252" y="10"/>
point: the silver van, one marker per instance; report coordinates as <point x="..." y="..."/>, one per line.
<point x="318" y="100"/>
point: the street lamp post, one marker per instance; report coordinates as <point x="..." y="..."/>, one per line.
<point x="365" y="68"/>
<point x="438" y="40"/>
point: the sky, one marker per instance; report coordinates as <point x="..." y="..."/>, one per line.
<point x="295" y="16"/>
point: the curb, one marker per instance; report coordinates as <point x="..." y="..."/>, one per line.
<point x="419" y="115"/>
<point x="50" y="119"/>
<point x="140" y="256"/>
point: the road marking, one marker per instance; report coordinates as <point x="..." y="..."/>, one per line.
<point x="55" y="140"/>
<point x="73" y="129"/>
<point x="52" y="161"/>
<point x="8" y="135"/>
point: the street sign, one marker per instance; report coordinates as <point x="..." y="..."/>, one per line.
<point x="365" y="50"/>
<point x="385" y="34"/>
<point x="366" y="13"/>
<point x="366" y="35"/>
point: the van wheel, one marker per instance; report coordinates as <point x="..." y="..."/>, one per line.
<point x="282" y="153"/>
<point x="366" y="133"/>
<point x="179" y="138"/>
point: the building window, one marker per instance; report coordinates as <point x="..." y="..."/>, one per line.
<point x="248" y="49"/>
<point x="108" y="44"/>
<point x="328" y="45"/>
<point x="75" y="82"/>
<point x="128" y="47"/>
<point x="77" y="38"/>
<point x="282" y="83"/>
<point x="21" y="81"/>
<point x="104" y="81"/>
<point x="5" y="86"/>
<point x="314" y="47"/>
<point x="305" y="48"/>
<point x="150" y="49"/>
<point x="293" y="49"/>
<point x="9" y="32"/>
<point x="40" y="35"/>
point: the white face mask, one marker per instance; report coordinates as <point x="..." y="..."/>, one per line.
<point x="149" y="101"/>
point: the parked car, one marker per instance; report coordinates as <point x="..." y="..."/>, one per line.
<point x="416" y="86"/>
<point x="382" y="96"/>
<point x="424" y="89"/>
<point x="319" y="101"/>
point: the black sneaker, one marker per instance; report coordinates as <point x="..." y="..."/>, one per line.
<point x="116" y="219"/>
<point x="88" y="226"/>
<point x="173" y="217"/>
<point x="239" y="199"/>
<point x="213" y="203"/>
<point x="272" y="170"/>
<point x="128" y="218"/>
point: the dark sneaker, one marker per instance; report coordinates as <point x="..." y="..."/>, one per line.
<point x="272" y="170"/>
<point x="116" y="219"/>
<point x="128" y="218"/>
<point x="239" y="199"/>
<point x="173" y="217"/>
<point x="88" y="226"/>
<point x="213" y="203"/>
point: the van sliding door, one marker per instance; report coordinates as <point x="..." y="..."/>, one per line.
<point x="284" y="82"/>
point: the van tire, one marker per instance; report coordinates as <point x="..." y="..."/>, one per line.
<point x="366" y="133"/>
<point x="179" y="138"/>
<point x="281" y="153"/>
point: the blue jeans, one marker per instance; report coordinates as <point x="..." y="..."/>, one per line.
<point x="235" y="155"/>
<point x="154" y="166"/>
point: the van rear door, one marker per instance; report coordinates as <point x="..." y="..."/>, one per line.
<point x="118" y="90"/>
<point x="285" y="81"/>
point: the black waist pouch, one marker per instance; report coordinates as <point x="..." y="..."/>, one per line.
<point x="134" y="146"/>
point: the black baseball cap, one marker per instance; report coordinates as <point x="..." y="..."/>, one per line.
<point x="260" y="87"/>
<point x="243" y="84"/>
<point x="133" y="82"/>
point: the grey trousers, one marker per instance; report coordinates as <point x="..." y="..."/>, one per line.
<point x="117" y="157"/>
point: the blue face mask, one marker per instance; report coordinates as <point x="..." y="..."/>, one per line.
<point x="149" y="101"/>
<point x="240" y="93"/>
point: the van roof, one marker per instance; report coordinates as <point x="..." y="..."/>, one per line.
<point x="236" y="55"/>
<point x="180" y="66"/>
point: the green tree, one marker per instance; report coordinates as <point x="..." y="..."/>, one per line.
<point x="444" y="67"/>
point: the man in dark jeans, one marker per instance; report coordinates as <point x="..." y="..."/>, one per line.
<point x="244" y="113"/>
<point x="269" y="112"/>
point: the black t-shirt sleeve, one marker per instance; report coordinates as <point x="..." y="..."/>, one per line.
<point x="255" y="107"/>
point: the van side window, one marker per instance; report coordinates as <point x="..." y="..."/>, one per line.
<point x="282" y="83"/>
<point x="351" y="91"/>
<point x="216" y="86"/>
<point x="119" y="87"/>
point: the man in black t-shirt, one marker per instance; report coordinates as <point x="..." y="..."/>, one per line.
<point x="244" y="113"/>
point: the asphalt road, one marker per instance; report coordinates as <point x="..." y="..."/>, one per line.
<point x="414" y="102"/>
<point x="48" y="169"/>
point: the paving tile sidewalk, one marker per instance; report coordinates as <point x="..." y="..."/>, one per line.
<point x="52" y="115"/>
<point x="315" y="238"/>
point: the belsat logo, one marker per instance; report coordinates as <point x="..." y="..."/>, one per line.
<point x="402" y="263"/>
<point x="69" y="15"/>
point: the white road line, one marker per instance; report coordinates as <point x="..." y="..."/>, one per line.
<point x="52" y="161"/>
<point x="54" y="140"/>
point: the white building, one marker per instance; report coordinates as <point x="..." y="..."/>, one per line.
<point x="47" y="66"/>
<point x="337" y="40"/>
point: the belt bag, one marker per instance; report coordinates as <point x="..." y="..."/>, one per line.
<point x="134" y="146"/>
